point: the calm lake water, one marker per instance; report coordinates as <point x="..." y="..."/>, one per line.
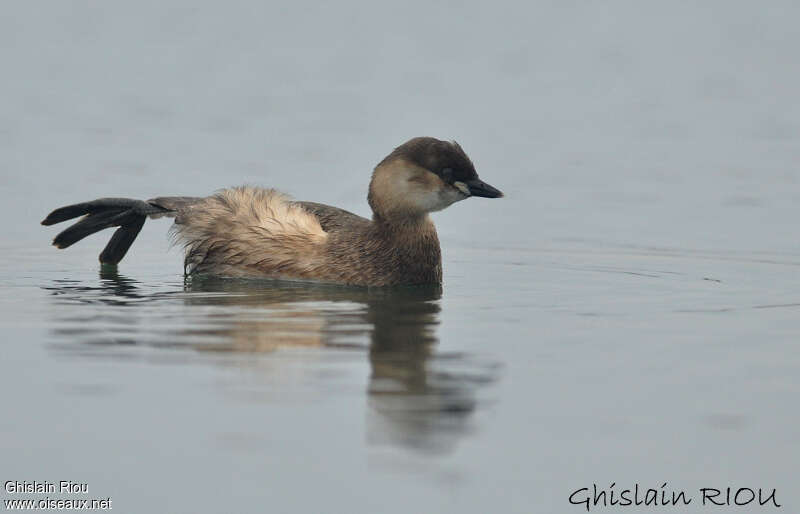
<point x="629" y="313"/>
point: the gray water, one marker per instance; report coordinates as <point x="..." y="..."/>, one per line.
<point x="629" y="313"/>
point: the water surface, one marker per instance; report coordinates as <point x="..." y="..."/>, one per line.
<point x="627" y="314"/>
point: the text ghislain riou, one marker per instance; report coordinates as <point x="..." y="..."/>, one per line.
<point x="662" y="496"/>
<point x="64" y="486"/>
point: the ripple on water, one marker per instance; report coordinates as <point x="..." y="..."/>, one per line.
<point x="418" y="398"/>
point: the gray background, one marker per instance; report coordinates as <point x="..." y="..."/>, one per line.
<point x="628" y="313"/>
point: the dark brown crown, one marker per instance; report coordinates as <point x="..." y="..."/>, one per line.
<point x="444" y="158"/>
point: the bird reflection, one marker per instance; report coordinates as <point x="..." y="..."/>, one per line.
<point x="417" y="398"/>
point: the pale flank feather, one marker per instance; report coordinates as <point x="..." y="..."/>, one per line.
<point x="248" y="231"/>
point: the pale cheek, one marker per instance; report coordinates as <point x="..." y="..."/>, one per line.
<point x="430" y="201"/>
<point x="451" y="196"/>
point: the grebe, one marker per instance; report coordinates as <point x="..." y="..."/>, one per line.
<point x="252" y="232"/>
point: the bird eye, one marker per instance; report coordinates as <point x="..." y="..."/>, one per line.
<point x="447" y="173"/>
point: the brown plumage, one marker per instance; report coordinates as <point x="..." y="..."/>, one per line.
<point x="254" y="232"/>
